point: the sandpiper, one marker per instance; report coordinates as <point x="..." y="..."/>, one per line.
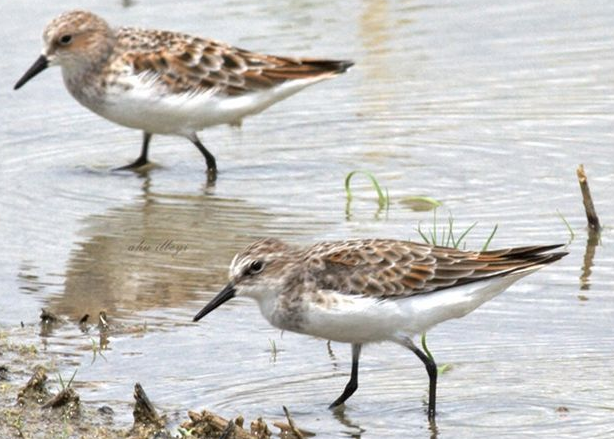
<point x="368" y="291"/>
<point x="164" y="82"/>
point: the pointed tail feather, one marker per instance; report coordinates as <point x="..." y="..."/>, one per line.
<point x="528" y="258"/>
<point x="328" y="66"/>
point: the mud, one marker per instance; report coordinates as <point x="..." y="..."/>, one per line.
<point x="30" y="408"/>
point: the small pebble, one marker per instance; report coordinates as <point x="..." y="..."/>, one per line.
<point x="106" y="410"/>
<point x="4" y="373"/>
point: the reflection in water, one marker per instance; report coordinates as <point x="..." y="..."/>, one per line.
<point x="356" y="430"/>
<point x="375" y="34"/>
<point x="332" y="356"/>
<point x="433" y="428"/>
<point x="157" y="252"/>
<point x="103" y="331"/>
<point x="589" y="255"/>
<point x="47" y="327"/>
<point x="28" y="279"/>
<point x="459" y="99"/>
<point x="384" y="97"/>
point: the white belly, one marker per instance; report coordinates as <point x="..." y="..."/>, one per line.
<point x="360" y="319"/>
<point x="146" y="107"/>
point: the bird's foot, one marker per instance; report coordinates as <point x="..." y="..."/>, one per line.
<point x="138" y="163"/>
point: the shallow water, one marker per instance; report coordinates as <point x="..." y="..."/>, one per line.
<point x="486" y="107"/>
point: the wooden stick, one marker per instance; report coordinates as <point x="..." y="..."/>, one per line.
<point x="589" y="207"/>
<point x="144" y="412"/>
<point x="35" y="390"/>
<point x="64" y="397"/>
<point x="208" y="424"/>
<point x="293" y="428"/>
<point x="229" y="431"/>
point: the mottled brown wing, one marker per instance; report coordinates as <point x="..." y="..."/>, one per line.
<point x="194" y="65"/>
<point x="389" y="268"/>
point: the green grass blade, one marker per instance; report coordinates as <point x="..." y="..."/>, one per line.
<point x="451" y="231"/>
<point x="72" y="378"/>
<point x="425" y="348"/>
<point x="443" y="236"/>
<point x="424" y="237"/>
<point x="460" y="239"/>
<point x="572" y="235"/>
<point x="434" y="232"/>
<point x="382" y="199"/>
<point x="492" y="234"/>
<point x="387" y="200"/>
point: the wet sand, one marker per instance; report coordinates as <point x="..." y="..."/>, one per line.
<point x="36" y="402"/>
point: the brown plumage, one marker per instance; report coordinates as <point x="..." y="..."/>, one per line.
<point x="169" y="83"/>
<point x="375" y="290"/>
<point x="390" y="268"/>
<point x="191" y="64"/>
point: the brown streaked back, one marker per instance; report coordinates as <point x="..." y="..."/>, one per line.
<point x="391" y="268"/>
<point x="188" y="64"/>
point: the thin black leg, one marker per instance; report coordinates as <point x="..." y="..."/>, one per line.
<point x="142" y="160"/>
<point x="352" y="384"/>
<point x="211" y="166"/>
<point x="431" y="369"/>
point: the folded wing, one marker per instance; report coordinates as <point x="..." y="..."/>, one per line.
<point x="389" y="268"/>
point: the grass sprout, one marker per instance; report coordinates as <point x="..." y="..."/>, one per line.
<point x="440" y="369"/>
<point x="490" y="237"/>
<point x="96" y="350"/>
<point x="572" y="235"/>
<point x="63" y="385"/>
<point x="447" y="238"/>
<point x="273" y="349"/>
<point x="383" y="200"/>
<point x="185" y="432"/>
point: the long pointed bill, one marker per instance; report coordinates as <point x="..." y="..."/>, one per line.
<point x="39" y="65"/>
<point x="223" y="296"/>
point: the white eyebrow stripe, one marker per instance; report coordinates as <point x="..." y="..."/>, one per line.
<point x="232" y="265"/>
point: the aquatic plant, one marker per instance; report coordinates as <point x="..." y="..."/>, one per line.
<point x="383" y="199"/>
<point x="572" y="235"/>
<point x="447" y="239"/>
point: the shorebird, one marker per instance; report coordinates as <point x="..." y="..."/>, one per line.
<point x="369" y="291"/>
<point x="165" y="82"/>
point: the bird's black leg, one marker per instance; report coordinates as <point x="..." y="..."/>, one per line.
<point x="211" y="166"/>
<point x="352" y="384"/>
<point x="142" y="160"/>
<point x="431" y="369"/>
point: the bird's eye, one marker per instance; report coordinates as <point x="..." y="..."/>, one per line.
<point x="65" y="39"/>
<point x="255" y="267"/>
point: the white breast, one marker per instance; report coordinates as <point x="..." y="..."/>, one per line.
<point x="144" y="106"/>
<point x="360" y="319"/>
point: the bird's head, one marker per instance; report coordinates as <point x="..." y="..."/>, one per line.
<point x="259" y="271"/>
<point x="74" y="40"/>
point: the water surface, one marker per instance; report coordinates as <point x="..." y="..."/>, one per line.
<point x="488" y="108"/>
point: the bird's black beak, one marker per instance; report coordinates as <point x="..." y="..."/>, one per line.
<point x="223" y="296"/>
<point x="39" y="65"/>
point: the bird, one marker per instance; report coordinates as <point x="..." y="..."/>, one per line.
<point x="373" y="290"/>
<point x="169" y="83"/>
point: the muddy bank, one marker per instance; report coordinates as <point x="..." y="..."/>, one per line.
<point x="37" y="403"/>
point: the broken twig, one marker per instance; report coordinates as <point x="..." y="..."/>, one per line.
<point x="589" y="207"/>
<point x="290" y="430"/>
<point x="208" y="424"/>
<point x="144" y="411"/>
<point x="63" y="398"/>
